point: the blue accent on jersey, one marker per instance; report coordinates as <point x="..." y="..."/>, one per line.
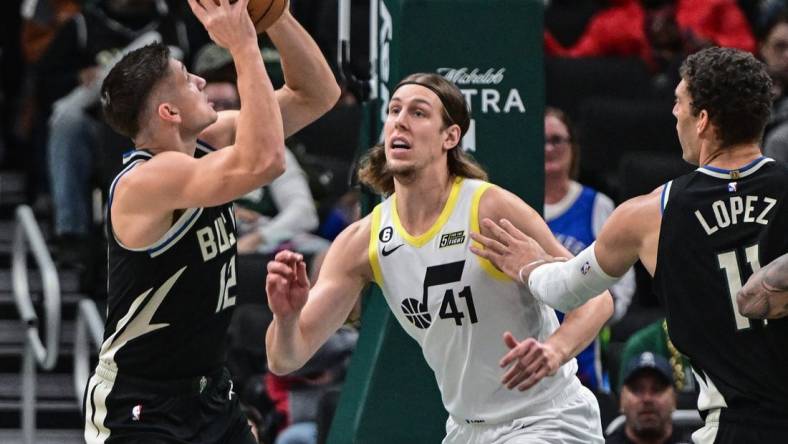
<point x="741" y="170"/>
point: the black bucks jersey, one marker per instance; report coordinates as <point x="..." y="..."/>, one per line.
<point x="718" y="227"/>
<point x="169" y="304"/>
<point x="457" y="306"/>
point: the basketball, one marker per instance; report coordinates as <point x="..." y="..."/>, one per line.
<point x="264" y="12"/>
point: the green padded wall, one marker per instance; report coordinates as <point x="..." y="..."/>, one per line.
<point x="492" y="49"/>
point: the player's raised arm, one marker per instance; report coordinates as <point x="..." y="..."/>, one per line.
<point x="310" y="89"/>
<point x="529" y="360"/>
<point x="174" y="178"/>
<point x="304" y="319"/>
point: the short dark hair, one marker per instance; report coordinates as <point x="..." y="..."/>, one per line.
<point x="734" y="88"/>
<point x="129" y="84"/>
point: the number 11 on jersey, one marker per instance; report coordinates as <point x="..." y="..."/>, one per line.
<point x="729" y="262"/>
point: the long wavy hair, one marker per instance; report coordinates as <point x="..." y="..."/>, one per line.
<point x="373" y="170"/>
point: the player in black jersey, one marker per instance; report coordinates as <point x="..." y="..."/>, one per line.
<point x="700" y="236"/>
<point x="171" y="229"/>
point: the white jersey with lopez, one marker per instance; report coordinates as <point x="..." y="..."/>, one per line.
<point x="457" y="306"/>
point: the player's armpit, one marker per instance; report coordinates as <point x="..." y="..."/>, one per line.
<point x="222" y="132"/>
<point x="630" y="233"/>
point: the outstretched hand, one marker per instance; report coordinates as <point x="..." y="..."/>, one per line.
<point x="228" y="24"/>
<point x="287" y="284"/>
<point x="529" y="361"/>
<point x="509" y="249"/>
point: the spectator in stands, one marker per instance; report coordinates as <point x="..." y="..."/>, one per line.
<point x="773" y="50"/>
<point x="69" y="76"/>
<point x="648" y="401"/>
<point x="659" y="31"/>
<point x="677" y="28"/>
<point x="575" y="213"/>
<point x="654" y="338"/>
<point x="297" y="395"/>
<point x="614" y="31"/>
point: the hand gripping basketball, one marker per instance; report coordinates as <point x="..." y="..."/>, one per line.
<point x="262" y="12"/>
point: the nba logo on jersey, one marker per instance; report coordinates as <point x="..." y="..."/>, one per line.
<point x="732" y="187"/>
<point x="136" y="412"/>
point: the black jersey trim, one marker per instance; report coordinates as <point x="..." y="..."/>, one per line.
<point x="135" y="154"/>
<point x="744" y="171"/>
<point x="665" y="196"/>
<point x="117" y="178"/>
<point x="169" y="239"/>
<point x="205" y="146"/>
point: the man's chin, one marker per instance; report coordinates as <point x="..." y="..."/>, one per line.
<point x="400" y="170"/>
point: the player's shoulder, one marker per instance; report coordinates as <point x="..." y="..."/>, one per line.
<point x="356" y="235"/>
<point x="497" y="202"/>
<point x="638" y="213"/>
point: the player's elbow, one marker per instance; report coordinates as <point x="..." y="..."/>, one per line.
<point x="331" y="96"/>
<point x="270" y="167"/>
<point x="281" y="367"/>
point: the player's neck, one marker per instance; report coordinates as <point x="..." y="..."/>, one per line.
<point x="729" y="158"/>
<point x="166" y="140"/>
<point x="421" y="200"/>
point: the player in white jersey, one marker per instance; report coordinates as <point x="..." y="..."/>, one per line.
<point x="482" y="334"/>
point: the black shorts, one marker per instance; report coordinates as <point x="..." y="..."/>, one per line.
<point x="123" y="410"/>
<point x="739" y="427"/>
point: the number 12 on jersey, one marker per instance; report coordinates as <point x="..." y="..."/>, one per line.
<point x="729" y="262"/>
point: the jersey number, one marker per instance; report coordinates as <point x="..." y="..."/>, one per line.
<point x="417" y="311"/>
<point x="729" y="262"/>
<point x="226" y="283"/>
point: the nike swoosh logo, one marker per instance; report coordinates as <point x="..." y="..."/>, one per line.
<point x="386" y="253"/>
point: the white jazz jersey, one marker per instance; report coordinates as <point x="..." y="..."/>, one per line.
<point x="457" y="306"/>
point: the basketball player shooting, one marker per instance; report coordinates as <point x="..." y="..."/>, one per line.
<point x="171" y="232"/>
<point x="478" y="329"/>
<point x="700" y="235"/>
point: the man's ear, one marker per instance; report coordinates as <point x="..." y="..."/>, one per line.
<point x="703" y="122"/>
<point x="168" y="112"/>
<point x="453" y="137"/>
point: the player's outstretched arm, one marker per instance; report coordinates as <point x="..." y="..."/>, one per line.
<point x="765" y="295"/>
<point x="525" y="231"/>
<point x="304" y="319"/>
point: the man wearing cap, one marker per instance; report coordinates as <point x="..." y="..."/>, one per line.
<point x="648" y="400"/>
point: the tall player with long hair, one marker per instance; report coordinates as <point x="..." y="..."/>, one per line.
<point x="472" y="322"/>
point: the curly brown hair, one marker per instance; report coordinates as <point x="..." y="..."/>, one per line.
<point x="734" y="89"/>
<point x="373" y="171"/>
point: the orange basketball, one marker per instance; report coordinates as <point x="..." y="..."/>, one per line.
<point x="265" y="12"/>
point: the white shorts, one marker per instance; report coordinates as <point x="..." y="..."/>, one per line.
<point x="574" y="421"/>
